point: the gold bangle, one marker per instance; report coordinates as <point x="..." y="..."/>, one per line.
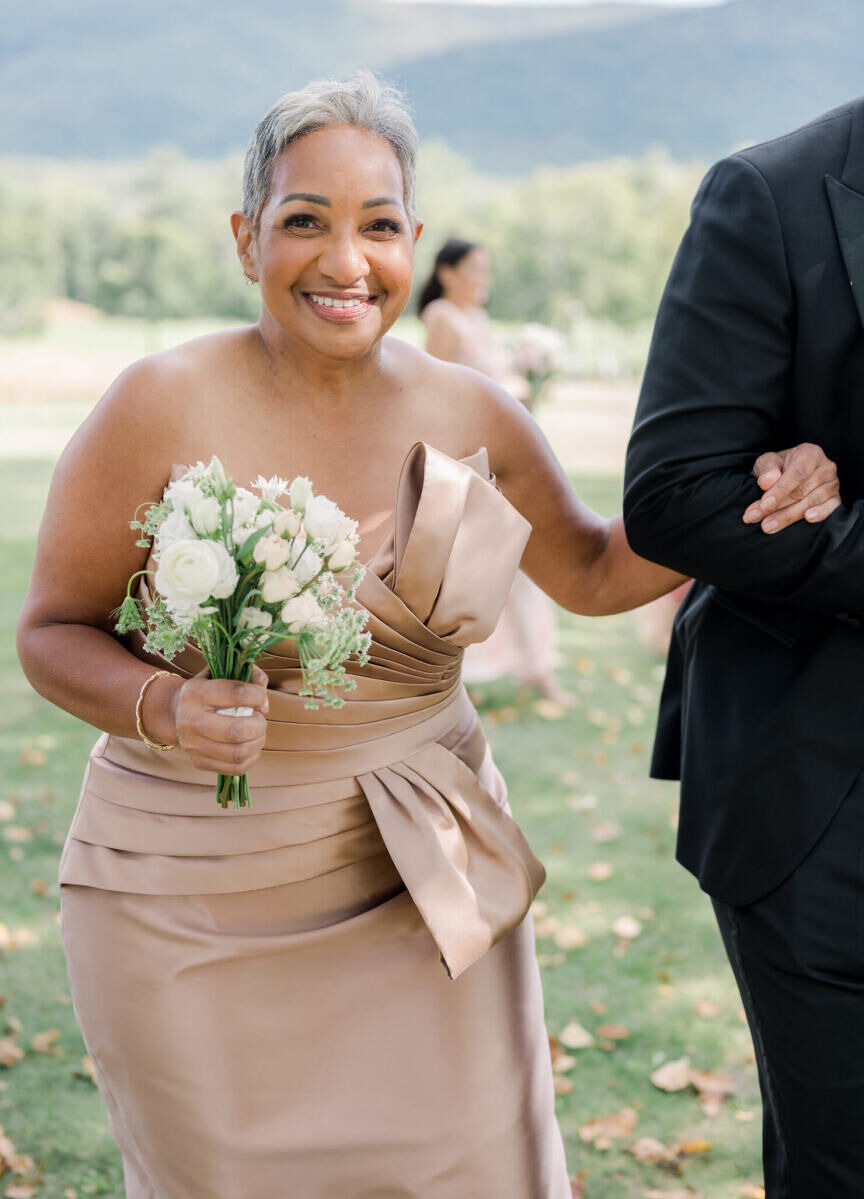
<point x="139" y="708"/>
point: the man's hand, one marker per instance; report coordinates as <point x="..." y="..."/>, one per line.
<point x="800" y="483"/>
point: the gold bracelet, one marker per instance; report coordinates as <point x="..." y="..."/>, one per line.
<point x="139" y="708"/>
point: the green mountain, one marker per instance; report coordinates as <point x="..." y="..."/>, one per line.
<point x="509" y="87"/>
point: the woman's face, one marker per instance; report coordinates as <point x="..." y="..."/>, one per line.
<point x="467" y="283"/>
<point x="334" y="249"/>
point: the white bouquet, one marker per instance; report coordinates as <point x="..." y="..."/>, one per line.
<point x="238" y="572"/>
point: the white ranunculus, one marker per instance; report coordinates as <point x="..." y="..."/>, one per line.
<point x="272" y="488"/>
<point x="254" y="618"/>
<point x="246" y="506"/>
<point x="299" y="493"/>
<point x="183" y="492"/>
<point x="278" y="585"/>
<point x="287" y="521"/>
<point x="189" y="572"/>
<point x="205" y="515"/>
<point x="323" y="519"/>
<point x="175" y="527"/>
<point x="228" y="575"/>
<point x="301" y="612"/>
<point x="307" y="566"/>
<point x="342" y="555"/>
<point x="272" y="551"/>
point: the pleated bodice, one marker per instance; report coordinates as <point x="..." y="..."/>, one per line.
<point x="402" y="768"/>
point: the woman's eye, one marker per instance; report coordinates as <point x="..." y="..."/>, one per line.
<point x="300" y="220"/>
<point x="385" y="226"/>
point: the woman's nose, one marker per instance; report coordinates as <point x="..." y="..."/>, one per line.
<point x="343" y="261"/>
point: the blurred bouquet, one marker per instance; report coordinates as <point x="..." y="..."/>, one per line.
<point x="238" y="572"/>
<point x="537" y="357"/>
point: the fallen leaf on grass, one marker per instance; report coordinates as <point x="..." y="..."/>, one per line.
<point x="627" y="928"/>
<point x="561" y="1084"/>
<point x="46" y="1042"/>
<point x="750" y="1191"/>
<point x="548" y="709"/>
<point x="13" y="1026"/>
<point x="10" y="1053"/>
<point x="24" y="1190"/>
<point x="713" y="1089"/>
<point x="7" y="810"/>
<point x="86" y="1072"/>
<point x="679" y="1194"/>
<point x="571" y="936"/>
<point x="745" y="1117"/>
<point x="653" y="1152"/>
<point x="577" y="1185"/>
<point x="613" y="1032"/>
<point x="547" y="927"/>
<point x="17" y="834"/>
<point x="31" y="755"/>
<point x="693" y="1148"/>
<point x="601" y="1133"/>
<point x="606" y="831"/>
<point x="672" y="1076"/>
<point x="39" y="887"/>
<point x="707" y="1008"/>
<point x="582" y="803"/>
<point x="574" y="1036"/>
<point x="598" y="872"/>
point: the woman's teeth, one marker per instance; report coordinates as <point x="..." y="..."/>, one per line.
<point x="329" y="302"/>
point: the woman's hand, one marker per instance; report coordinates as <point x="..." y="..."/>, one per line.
<point x="798" y="483"/>
<point x="223" y="744"/>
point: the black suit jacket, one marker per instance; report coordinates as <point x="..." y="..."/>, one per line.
<point x="759" y="344"/>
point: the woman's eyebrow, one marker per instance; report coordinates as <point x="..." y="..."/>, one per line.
<point x="380" y="202"/>
<point x="308" y="197"/>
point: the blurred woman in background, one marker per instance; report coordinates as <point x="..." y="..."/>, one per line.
<point x="452" y="306"/>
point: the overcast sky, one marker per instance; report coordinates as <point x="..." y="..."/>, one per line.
<point x="572" y="3"/>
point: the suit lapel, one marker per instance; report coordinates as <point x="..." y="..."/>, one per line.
<point x="846" y="197"/>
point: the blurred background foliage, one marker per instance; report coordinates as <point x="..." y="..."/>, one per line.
<point x="150" y="238"/>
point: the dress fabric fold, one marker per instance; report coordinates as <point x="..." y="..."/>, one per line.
<point x="310" y="997"/>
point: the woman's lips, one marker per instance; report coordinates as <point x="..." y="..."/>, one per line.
<point x="349" y="311"/>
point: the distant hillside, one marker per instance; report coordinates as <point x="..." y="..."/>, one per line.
<point x="699" y="82"/>
<point x="509" y="87"/>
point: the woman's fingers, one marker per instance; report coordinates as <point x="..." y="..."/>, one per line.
<point x="821" y="503"/>
<point x="805" y="473"/>
<point x="216" y="740"/>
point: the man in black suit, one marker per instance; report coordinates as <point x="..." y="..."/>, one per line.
<point x="759" y="341"/>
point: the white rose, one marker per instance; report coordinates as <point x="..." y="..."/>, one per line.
<point x="188" y="573"/>
<point x="228" y="575"/>
<point x="175" y="527"/>
<point x="307" y="566"/>
<point x="323" y="519"/>
<point x="287" y="521"/>
<point x="254" y="618"/>
<point x="272" y="551"/>
<point x="205" y="515"/>
<point x="299" y="493"/>
<point x="264" y="519"/>
<point x="342" y="555"/>
<point x="300" y="612"/>
<point x="278" y="585"/>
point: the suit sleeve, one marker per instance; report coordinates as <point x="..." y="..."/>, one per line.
<point x="716" y="394"/>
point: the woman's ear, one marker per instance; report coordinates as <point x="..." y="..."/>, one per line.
<point x="244" y="235"/>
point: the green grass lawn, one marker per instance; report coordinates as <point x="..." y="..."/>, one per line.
<point x="573" y="781"/>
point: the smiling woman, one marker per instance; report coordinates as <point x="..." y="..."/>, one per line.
<point x="335" y="994"/>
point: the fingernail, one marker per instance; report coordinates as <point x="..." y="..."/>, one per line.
<point x="770" y="526"/>
<point x="752" y="515"/>
<point x="811" y="514"/>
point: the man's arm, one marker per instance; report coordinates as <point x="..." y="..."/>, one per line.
<point x="716" y="393"/>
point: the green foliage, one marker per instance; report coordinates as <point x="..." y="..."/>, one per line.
<point x="151" y="239"/>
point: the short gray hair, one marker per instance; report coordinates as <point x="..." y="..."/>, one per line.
<point x="362" y="102"/>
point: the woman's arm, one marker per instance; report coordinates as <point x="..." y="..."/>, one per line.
<point x="442" y="336"/>
<point x="583" y="561"/>
<point x="85" y="555"/>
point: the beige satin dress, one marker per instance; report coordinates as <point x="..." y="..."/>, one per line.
<point x="332" y="995"/>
